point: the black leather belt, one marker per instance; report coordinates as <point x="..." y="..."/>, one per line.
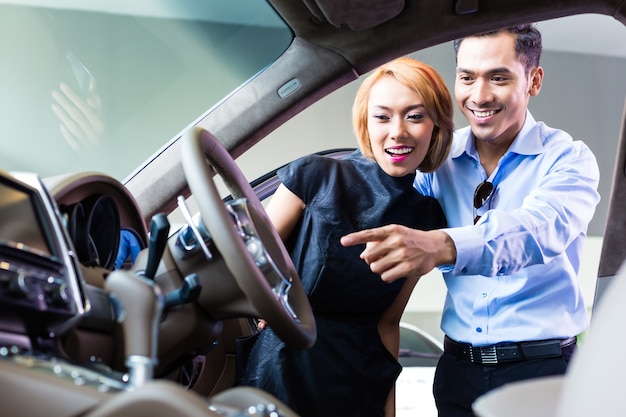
<point x="509" y="352"/>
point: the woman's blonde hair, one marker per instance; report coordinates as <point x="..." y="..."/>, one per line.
<point x="425" y="81"/>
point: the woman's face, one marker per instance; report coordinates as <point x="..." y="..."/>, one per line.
<point x="399" y="127"/>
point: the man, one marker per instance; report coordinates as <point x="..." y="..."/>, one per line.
<point x="518" y="196"/>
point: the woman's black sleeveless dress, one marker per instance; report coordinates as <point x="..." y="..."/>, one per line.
<point x="348" y="371"/>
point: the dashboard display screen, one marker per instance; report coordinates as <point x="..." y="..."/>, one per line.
<point x="19" y="224"/>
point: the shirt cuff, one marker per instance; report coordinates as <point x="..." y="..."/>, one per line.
<point x="469" y="250"/>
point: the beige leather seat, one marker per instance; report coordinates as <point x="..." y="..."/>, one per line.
<point x="594" y="384"/>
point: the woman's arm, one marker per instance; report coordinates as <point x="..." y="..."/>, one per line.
<point x="284" y="211"/>
<point x="389" y="330"/>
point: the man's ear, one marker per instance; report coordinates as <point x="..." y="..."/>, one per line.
<point x="536" y="79"/>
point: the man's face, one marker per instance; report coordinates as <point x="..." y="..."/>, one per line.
<point x="492" y="89"/>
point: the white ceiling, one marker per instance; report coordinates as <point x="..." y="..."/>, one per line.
<point x="588" y="34"/>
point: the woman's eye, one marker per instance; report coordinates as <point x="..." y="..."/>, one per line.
<point x="380" y="117"/>
<point x="416" y="116"/>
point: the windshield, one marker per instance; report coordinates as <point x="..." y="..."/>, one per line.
<point x="102" y="85"/>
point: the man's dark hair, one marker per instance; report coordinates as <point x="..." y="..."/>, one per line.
<point x="527" y="44"/>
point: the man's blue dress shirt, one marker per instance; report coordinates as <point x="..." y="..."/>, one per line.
<point x="515" y="277"/>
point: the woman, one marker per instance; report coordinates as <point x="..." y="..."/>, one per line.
<point x="402" y="117"/>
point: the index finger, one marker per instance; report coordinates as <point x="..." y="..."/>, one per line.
<point x="363" y="236"/>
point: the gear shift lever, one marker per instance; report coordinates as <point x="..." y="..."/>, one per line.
<point x="139" y="311"/>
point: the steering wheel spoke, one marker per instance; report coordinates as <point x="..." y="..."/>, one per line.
<point x="280" y="283"/>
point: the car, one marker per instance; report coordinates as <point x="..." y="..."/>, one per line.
<point x="110" y="111"/>
<point x="419" y="354"/>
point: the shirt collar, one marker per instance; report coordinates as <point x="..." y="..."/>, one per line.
<point x="527" y="142"/>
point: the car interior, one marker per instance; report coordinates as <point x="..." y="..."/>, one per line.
<point x="82" y="336"/>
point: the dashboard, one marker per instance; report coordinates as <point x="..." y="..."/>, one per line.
<point x="83" y="334"/>
<point x="59" y="239"/>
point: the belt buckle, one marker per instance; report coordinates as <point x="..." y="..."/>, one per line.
<point x="488" y="355"/>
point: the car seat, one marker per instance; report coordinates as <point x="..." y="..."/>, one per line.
<point x="593" y="384"/>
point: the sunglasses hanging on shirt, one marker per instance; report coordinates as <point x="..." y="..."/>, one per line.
<point x="482" y="196"/>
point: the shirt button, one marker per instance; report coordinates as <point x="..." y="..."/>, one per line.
<point x="479" y="329"/>
<point x="484" y="294"/>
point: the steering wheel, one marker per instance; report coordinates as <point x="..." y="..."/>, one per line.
<point x="243" y="234"/>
